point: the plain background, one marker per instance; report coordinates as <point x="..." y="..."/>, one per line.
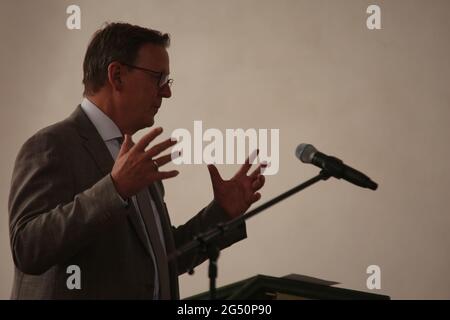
<point x="377" y="99"/>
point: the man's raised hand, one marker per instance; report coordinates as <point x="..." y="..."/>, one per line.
<point x="136" y="168"/>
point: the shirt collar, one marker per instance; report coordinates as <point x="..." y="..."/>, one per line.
<point x="107" y="129"/>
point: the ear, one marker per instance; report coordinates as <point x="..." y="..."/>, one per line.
<point x="115" y="70"/>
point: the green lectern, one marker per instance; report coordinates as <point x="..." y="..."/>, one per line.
<point x="293" y="287"/>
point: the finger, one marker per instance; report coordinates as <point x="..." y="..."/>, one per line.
<point x="126" y="145"/>
<point x="146" y="139"/>
<point x="248" y="163"/>
<point x="255" y="197"/>
<point x="162" y="175"/>
<point x="258" y="183"/>
<point x="258" y="170"/>
<point x="160" y="147"/>
<point x="214" y="174"/>
<point x="166" y="158"/>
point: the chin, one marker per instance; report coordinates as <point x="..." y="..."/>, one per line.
<point x="146" y="124"/>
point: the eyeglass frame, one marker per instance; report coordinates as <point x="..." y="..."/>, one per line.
<point x="169" y="81"/>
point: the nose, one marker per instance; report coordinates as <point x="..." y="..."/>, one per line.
<point x="165" y="91"/>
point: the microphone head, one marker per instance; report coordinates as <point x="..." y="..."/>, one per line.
<point x="305" y="152"/>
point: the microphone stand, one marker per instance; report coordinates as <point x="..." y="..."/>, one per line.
<point x="206" y="242"/>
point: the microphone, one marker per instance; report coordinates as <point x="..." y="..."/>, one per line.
<point x="334" y="166"/>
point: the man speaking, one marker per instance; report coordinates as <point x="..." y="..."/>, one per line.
<point x="84" y="194"/>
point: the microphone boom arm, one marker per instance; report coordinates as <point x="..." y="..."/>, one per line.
<point x="206" y="240"/>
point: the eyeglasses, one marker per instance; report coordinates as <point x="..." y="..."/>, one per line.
<point x="163" y="78"/>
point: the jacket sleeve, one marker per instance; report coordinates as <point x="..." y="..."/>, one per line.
<point x="206" y="219"/>
<point x="48" y="222"/>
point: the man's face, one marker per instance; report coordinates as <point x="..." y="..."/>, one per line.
<point x="142" y="96"/>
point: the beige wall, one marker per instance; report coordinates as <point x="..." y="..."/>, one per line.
<point x="377" y="99"/>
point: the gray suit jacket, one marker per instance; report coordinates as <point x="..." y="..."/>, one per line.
<point x="64" y="210"/>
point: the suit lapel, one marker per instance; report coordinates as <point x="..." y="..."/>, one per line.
<point x="96" y="147"/>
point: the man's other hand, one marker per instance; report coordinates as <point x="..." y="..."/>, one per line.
<point x="236" y="195"/>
